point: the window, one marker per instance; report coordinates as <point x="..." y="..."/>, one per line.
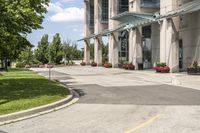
<point x="150" y="3"/>
<point x="104" y="14"/>
<point x="123" y="6"/>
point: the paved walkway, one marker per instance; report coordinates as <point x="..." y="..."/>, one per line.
<point x="119" y="101"/>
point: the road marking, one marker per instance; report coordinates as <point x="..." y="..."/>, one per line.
<point x="143" y="124"/>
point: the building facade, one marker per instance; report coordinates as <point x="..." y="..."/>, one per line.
<point x="144" y="32"/>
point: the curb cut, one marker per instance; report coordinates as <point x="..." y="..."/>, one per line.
<point x="41" y="110"/>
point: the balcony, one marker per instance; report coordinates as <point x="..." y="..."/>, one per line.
<point x="150" y="3"/>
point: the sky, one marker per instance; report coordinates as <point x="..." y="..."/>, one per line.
<point x="64" y="17"/>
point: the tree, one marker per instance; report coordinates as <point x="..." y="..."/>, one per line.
<point x="66" y="49"/>
<point x="56" y="49"/>
<point x="17" y="18"/>
<point x="42" y="53"/>
<point x="105" y="53"/>
<point x="26" y="56"/>
<point x="92" y="51"/>
<point x="11" y="51"/>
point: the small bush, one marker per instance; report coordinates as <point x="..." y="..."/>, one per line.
<point x="93" y="64"/>
<point x="162" y="68"/>
<point x="20" y="65"/>
<point x="82" y="63"/>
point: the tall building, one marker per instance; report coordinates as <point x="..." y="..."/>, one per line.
<point x="144" y="32"/>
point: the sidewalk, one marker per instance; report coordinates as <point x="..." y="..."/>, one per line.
<point x="120" y="77"/>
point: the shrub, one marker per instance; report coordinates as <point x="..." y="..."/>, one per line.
<point x="195" y="64"/>
<point x="160" y="64"/>
<point x="129" y="66"/>
<point x="20" y="65"/>
<point x="82" y="63"/>
<point x="93" y="64"/>
<point x="162" y="68"/>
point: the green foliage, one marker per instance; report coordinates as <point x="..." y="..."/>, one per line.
<point x="42" y="52"/>
<point x="20" y="64"/>
<point x="17" y="18"/>
<point x="26" y="56"/>
<point x="105" y="53"/>
<point x="92" y="51"/>
<point x="158" y="64"/>
<point x="56" y="50"/>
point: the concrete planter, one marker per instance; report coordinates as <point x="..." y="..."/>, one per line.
<point x="193" y="71"/>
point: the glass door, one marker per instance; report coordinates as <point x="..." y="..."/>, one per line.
<point x="123" y="47"/>
<point x="146" y="47"/>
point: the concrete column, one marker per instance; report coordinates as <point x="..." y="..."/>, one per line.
<point x="155" y="41"/>
<point x="135" y="46"/>
<point x="86" y="33"/>
<point x="169" y="47"/>
<point x="97" y="29"/>
<point x="135" y="37"/>
<point x="87" y="52"/>
<point x="134" y="6"/>
<point x="113" y="38"/>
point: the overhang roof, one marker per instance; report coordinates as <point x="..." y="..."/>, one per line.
<point x="132" y="20"/>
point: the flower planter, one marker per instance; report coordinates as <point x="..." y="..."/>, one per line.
<point x="128" y="67"/>
<point x="193" y="71"/>
<point x="93" y="64"/>
<point x="108" y="65"/>
<point x="82" y="63"/>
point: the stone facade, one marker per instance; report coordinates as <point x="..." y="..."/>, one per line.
<point x="174" y="41"/>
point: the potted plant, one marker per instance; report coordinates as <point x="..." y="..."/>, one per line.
<point x="107" y="65"/>
<point x="93" y="64"/>
<point x="129" y="66"/>
<point x="162" y="68"/>
<point x="82" y="63"/>
<point x="194" y="69"/>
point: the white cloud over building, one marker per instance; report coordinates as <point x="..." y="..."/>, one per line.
<point x="70" y="14"/>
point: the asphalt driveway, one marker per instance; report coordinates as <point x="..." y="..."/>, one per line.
<point x="139" y="106"/>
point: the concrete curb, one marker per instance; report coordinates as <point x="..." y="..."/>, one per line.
<point x="34" y="112"/>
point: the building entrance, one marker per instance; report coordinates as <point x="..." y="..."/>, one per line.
<point x="180" y="55"/>
<point x="123" y="47"/>
<point x="146" y="47"/>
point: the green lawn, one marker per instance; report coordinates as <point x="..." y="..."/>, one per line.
<point x="23" y="89"/>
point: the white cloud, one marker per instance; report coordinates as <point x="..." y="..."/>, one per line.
<point x="54" y="7"/>
<point x="71" y="14"/>
<point x="66" y="1"/>
<point x="75" y="30"/>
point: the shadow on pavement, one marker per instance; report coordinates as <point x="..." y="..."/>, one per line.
<point x="138" y="95"/>
<point x="3" y="131"/>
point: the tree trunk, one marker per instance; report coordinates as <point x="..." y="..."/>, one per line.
<point x="6" y="63"/>
<point x="2" y="63"/>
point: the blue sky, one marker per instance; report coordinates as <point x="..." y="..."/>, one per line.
<point x="64" y="17"/>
